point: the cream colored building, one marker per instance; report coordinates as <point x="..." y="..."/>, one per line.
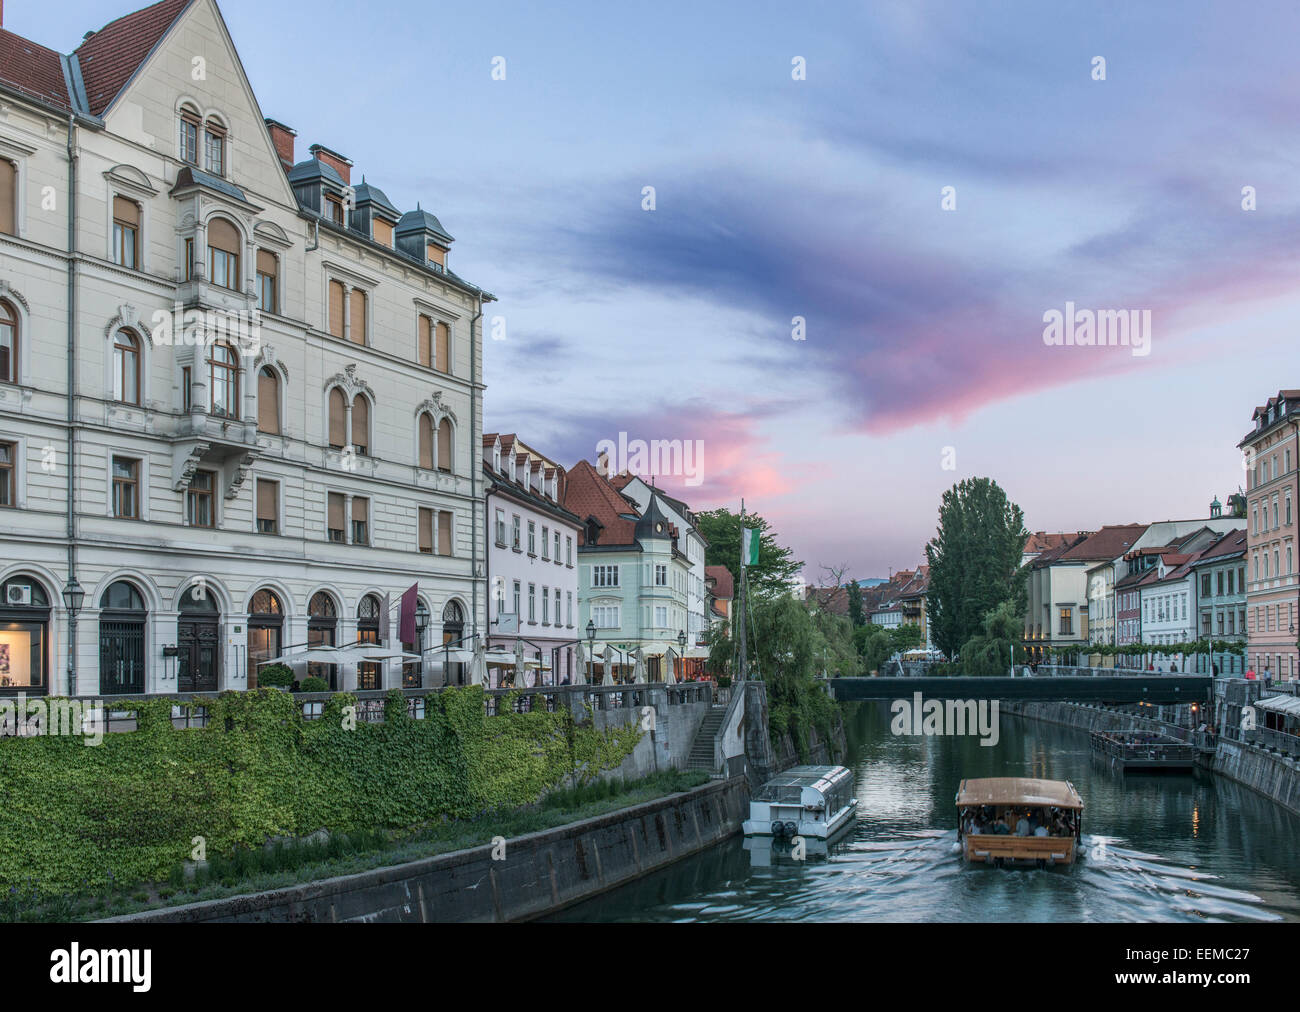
<point x="275" y="384"/>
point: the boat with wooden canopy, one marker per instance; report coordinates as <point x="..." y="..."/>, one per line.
<point x="1019" y="821"/>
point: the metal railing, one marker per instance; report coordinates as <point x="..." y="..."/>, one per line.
<point x="191" y="709"/>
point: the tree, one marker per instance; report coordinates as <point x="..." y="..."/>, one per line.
<point x="974" y="560"/>
<point x="776" y="565"/>
<point x="855" y="604"/>
<point x="989" y="652"/>
<point x="905" y="637"/>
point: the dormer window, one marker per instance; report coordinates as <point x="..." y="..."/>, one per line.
<point x="496" y="458"/>
<point x="383" y="232"/>
<point x="513" y="468"/>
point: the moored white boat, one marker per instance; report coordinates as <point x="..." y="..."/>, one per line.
<point x="809" y="801"/>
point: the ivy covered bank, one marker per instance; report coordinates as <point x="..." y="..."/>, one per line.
<point x="128" y="810"/>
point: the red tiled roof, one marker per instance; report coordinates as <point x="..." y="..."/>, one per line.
<point x="1040" y="541"/>
<point x="1229" y="544"/>
<point x="723" y="583"/>
<point x="588" y="494"/>
<point x="32" y="69"/>
<point x="114" y="53"/>
<point x="1111" y="542"/>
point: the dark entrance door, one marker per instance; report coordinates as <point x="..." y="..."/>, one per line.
<point x="198" y="640"/>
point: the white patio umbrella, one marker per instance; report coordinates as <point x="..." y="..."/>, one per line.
<point x="478" y="667"/>
<point x="669" y="677"/>
<point x="607" y="676"/>
<point x="580" y="657"/>
<point x="519" y="664"/>
<point x="638" y="671"/>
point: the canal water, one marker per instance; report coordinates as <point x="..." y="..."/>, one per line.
<point x="1158" y="848"/>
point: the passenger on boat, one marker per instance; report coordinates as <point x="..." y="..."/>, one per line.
<point x="1022" y="825"/>
<point x="1041" y="831"/>
<point x="1001" y="828"/>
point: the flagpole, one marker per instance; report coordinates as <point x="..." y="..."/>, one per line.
<point x="740" y="674"/>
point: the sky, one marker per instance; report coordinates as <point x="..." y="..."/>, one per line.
<point x="922" y="358"/>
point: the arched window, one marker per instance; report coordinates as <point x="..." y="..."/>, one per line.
<point x="265" y="624"/>
<point x="361" y="424"/>
<point x="223" y="380"/>
<point x="426" y="441"/>
<point x="121" y="640"/>
<point x="25" y="622"/>
<point x="444" y="445"/>
<point x="126" y="367"/>
<point x="453" y="630"/>
<point x="338" y="419"/>
<point x="223" y="254"/>
<point x="322" y="631"/>
<point x="368" y="672"/>
<point x="268" y="401"/>
<point x="8" y="343"/>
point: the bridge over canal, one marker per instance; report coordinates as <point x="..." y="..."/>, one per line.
<point x="1113" y="689"/>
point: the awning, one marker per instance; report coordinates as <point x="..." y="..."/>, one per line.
<point x="697" y="653"/>
<point x="1287" y="705"/>
<point x="504" y="658"/>
<point x="353" y="653"/>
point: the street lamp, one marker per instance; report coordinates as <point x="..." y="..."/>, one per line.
<point x="591" y="646"/>
<point x="681" y="644"/>
<point x="73" y="596"/>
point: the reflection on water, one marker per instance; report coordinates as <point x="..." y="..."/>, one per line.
<point x="1155" y="848"/>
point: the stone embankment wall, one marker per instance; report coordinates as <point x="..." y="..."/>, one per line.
<point x="1275" y="776"/>
<point x="540" y="873"/>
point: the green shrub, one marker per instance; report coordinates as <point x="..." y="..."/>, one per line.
<point x="313" y="683"/>
<point x="275" y="676"/>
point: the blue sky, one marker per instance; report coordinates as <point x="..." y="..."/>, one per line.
<point x="820" y="198"/>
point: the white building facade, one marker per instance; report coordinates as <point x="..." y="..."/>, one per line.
<point x="270" y="421"/>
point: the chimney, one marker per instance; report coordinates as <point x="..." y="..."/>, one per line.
<point x="339" y="163"/>
<point x="282" y="137"/>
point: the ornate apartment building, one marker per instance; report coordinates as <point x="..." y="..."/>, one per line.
<point x="240" y="396"/>
<point x="1272" y="450"/>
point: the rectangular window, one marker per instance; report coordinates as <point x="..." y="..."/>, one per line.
<point x="357" y="312"/>
<point x="557" y="548"/>
<point x="8" y="197"/>
<point x="214" y="146"/>
<point x="1205" y="585"/>
<point x="8" y="476"/>
<point x="661" y="576"/>
<point x="268" y="506"/>
<point x="604" y="576"/>
<point x="268" y="269"/>
<point x="445" y="539"/>
<point x="360" y="521"/>
<point x="532" y="538"/>
<point x="661" y="616"/>
<point x="568" y="551"/>
<point x="515" y="533"/>
<point x="532" y="603"/>
<point x="338" y="299"/>
<point x="517" y="597"/>
<point x="383" y="232"/>
<point x="606" y="616"/>
<point x="334" y="519"/>
<point x="568" y="607"/>
<point x="501" y="528"/>
<point x="546" y="544"/>
<point x="126" y="232"/>
<point x="1067" y="622"/>
<point x="186" y="390"/>
<point x="189" y="140"/>
<point x="426" y="531"/>
<point x="442" y="349"/>
<point x="334" y="208"/>
<point x="126" y="488"/>
<point x="199" y="505"/>
<point x="546" y="606"/>
<point x="424" y="345"/>
<point x="223" y="268"/>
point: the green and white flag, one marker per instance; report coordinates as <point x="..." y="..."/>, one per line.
<point x="749" y="547"/>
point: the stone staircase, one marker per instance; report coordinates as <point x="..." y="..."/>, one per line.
<point x="701" y="754"/>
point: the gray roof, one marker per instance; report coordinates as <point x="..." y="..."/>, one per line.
<point x="421" y="220"/>
<point x="312" y="169"/>
<point x="189" y="176"/>
<point x="373" y="194"/>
